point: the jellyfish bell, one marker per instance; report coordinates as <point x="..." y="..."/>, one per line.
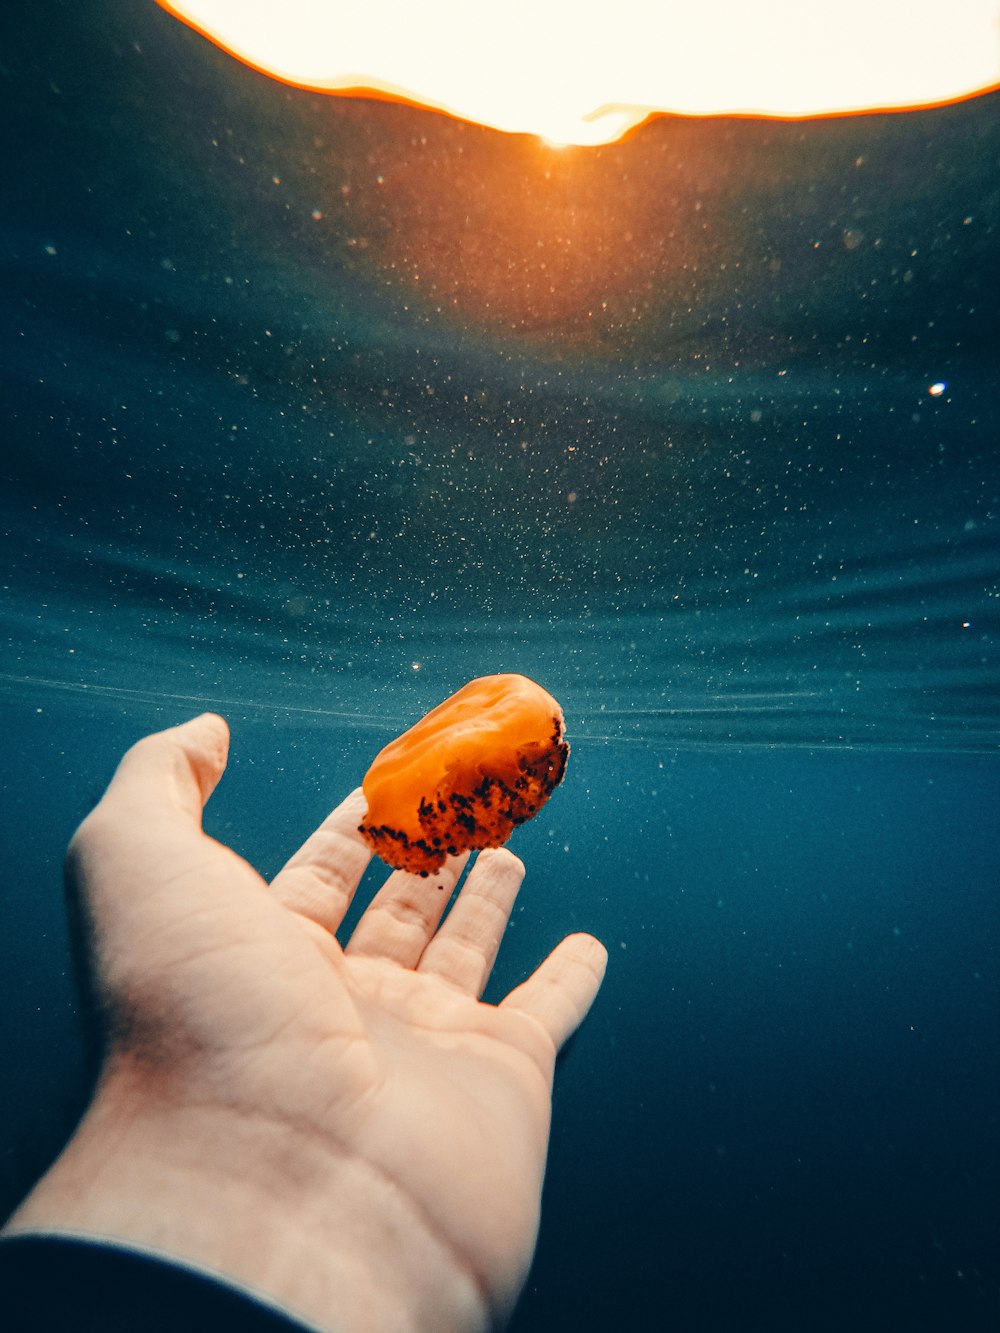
<point x="479" y="764"/>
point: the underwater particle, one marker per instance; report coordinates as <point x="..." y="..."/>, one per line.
<point x="937" y="389"/>
<point x="482" y="762"/>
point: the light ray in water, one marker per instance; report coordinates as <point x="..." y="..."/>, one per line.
<point x="203" y="701"/>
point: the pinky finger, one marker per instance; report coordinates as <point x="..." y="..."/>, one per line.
<point x="561" y="990"/>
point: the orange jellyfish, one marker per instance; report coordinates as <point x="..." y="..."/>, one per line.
<point x="466" y="775"/>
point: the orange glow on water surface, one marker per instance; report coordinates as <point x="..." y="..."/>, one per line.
<point x="586" y="74"/>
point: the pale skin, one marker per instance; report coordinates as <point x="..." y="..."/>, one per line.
<point x="345" y="1130"/>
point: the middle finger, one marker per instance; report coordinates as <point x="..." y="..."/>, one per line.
<point x="404" y="914"/>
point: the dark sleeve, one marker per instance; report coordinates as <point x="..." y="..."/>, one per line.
<point x="56" y="1285"/>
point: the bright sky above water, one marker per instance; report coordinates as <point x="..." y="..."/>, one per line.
<point x="585" y="73"/>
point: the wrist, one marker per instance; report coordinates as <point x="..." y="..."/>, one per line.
<point x="273" y="1207"/>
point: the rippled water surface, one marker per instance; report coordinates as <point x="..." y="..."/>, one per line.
<point x="316" y="408"/>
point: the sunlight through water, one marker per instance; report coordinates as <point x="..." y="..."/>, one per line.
<point x="586" y="74"/>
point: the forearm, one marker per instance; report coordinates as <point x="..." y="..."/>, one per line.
<point x="270" y="1207"/>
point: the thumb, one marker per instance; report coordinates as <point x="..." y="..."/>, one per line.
<point x="143" y="833"/>
<point x="148" y="823"/>
<point x="173" y="770"/>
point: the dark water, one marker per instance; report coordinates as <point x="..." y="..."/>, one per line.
<point x="313" y="409"/>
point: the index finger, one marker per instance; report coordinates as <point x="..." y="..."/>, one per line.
<point x="320" y="880"/>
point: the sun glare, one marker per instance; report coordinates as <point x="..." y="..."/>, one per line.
<point x="586" y="73"/>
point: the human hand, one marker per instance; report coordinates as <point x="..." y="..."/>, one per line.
<point x="347" y="1130"/>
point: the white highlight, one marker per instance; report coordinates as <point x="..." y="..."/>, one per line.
<point x="583" y="73"/>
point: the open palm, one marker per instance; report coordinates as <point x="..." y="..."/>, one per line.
<point x="240" y="996"/>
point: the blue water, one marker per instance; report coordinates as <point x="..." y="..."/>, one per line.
<point x="314" y="409"/>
